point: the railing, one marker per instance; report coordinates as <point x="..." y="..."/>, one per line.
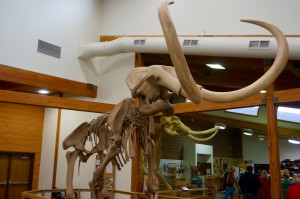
<point x="198" y="193"/>
<point x="41" y="194"/>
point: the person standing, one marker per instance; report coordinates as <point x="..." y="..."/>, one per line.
<point x="285" y="185"/>
<point x="293" y="191"/>
<point x="264" y="192"/>
<point x="249" y="184"/>
<point x="230" y="183"/>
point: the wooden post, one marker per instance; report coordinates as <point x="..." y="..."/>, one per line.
<point x="273" y="144"/>
<point x="56" y="148"/>
<point x="136" y="175"/>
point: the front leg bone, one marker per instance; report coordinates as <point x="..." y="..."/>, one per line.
<point x="97" y="183"/>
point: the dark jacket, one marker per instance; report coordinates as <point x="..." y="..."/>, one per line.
<point x="249" y="183"/>
<point x="228" y="180"/>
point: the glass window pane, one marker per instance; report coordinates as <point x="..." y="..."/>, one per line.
<point x="253" y="111"/>
<point x="288" y="114"/>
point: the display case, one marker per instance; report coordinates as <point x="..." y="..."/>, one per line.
<point x="175" y="173"/>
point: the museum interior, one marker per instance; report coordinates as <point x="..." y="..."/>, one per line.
<point x="84" y="116"/>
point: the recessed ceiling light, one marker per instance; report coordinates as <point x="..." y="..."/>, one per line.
<point x="43" y="91"/>
<point x="248" y="132"/>
<point x="261" y="137"/>
<point x="294" y="141"/>
<point x="215" y="66"/>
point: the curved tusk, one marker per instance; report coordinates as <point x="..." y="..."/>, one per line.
<point x="203" y="139"/>
<point x="181" y="67"/>
<point x="179" y="126"/>
<point x="267" y="79"/>
<point x="194" y="91"/>
<point x="205" y="132"/>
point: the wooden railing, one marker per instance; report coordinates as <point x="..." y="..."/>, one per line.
<point x="41" y="194"/>
<point x="198" y="193"/>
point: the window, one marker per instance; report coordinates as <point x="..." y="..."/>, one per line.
<point x="253" y="111"/>
<point x="288" y="114"/>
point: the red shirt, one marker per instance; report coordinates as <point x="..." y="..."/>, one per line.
<point x="264" y="192"/>
<point x="293" y="192"/>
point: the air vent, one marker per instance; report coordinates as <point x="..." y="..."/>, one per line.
<point x="259" y="44"/>
<point x="49" y="49"/>
<point x="139" y="42"/>
<point x="190" y="43"/>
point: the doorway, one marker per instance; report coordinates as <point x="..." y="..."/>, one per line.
<point x="16" y="171"/>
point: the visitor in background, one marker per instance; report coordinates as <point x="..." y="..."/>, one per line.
<point x="287" y="172"/>
<point x="293" y="191"/>
<point x="284" y="185"/>
<point x="249" y="184"/>
<point x="264" y="191"/>
<point x="229" y="179"/>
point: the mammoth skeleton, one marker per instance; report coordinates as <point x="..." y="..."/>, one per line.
<point x="153" y="86"/>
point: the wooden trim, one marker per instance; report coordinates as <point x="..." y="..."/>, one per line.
<point x="56" y="148"/>
<point x="54" y="102"/>
<point x="24" y="77"/>
<point x="283" y="96"/>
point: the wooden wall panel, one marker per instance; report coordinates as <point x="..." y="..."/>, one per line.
<point x="21" y="128"/>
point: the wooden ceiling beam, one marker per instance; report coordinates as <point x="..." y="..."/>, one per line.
<point x="289" y="95"/>
<point x="54" y="102"/>
<point x="24" y="77"/>
<point x="255" y="100"/>
<point x="282" y="96"/>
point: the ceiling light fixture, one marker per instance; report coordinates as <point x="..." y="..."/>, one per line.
<point x="220" y="126"/>
<point x="294" y="141"/>
<point x="261" y="137"/>
<point x="215" y="66"/>
<point x="263" y="91"/>
<point x="43" y="91"/>
<point x="248" y="132"/>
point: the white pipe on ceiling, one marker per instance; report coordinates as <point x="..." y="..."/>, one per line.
<point x="207" y="46"/>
